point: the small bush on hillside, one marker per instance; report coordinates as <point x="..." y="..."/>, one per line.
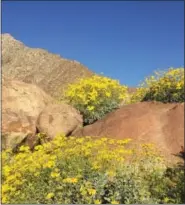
<point x="164" y="86"/>
<point x="96" y="96"/>
<point x="87" y="171"/>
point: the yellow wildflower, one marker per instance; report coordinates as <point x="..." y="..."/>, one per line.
<point x="97" y="201"/>
<point x="24" y="149"/>
<point x="108" y="94"/>
<point x="90" y="108"/>
<point x="39" y="147"/>
<point x="4" y="200"/>
<point x="5" y="188"/>
<point x="111" y="173"/>
<point x="50" y="195"/>
<point x="179" y="86"/>
<point x="36" y="174"/>
<point x="104" y="139"/>
<point x="70" y="180"/>
<point x="114" y="202"/>
<point x="49" y="164"/>
<point x="18" y="182"/>
<point x="92" y="191"/>
<point x="6" y="170"/>
<point x="80" y="140"/>
<point x="55" y="174"/>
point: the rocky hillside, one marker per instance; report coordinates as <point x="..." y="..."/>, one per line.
<point x="49" y="71"/>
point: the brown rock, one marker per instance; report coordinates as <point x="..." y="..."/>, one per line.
<point x="146" y="122"/>
<point x="59" y="119"/>
<point x="21" y="105"/>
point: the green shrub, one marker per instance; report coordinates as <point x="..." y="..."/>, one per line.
<point x="96" y="96"/>
<point x="164" y="86"/>
<point x="87" y="171"/>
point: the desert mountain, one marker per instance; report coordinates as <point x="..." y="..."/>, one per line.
<point x="37" y="66"/>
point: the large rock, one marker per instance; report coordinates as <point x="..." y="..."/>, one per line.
<point x="29" y="98"/>
<point x="145" y="122"/>
<point x="49" y="71"/>
<point x="59" y="119"/>
<point x="17" y="128"/>
<point x="21" y="106"/>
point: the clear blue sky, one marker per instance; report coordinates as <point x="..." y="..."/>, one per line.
<point x="124" y="40"/>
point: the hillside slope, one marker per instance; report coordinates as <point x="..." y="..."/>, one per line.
<point x="37" y="66"/>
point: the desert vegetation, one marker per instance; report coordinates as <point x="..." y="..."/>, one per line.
<point x="87" y="170"/>
<point x="165" y="86"/>
<point x="96" y="96"/>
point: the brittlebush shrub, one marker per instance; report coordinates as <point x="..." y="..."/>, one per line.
<point x="87" y="171"/>
<point x="96" y="96"/>
<point x="164" y="86"/>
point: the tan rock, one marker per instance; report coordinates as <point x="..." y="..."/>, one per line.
<point x="17" y="128"/>
<point x="59" y="119"/>
<point x="29" y="98"/>
<point x="21" y="106"/>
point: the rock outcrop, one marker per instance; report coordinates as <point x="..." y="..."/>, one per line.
<point x="21" y="106"/>
<point x="145" y="122"/>
<point x="17" y="129"/>
<point x="27" y="110"/>
<point x="59" y="119"/>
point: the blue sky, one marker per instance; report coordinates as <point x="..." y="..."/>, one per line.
<point x="124" y="40"/>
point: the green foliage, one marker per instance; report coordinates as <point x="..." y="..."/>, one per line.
<point x="88" y="171"/>
<point x="164" y="86"/>
<point x="96" y="96"/>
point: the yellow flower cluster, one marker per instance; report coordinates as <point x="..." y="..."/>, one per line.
<point x="164" y="86"/>
<point x="92" y="96"/>
<point x="61" y="163"/>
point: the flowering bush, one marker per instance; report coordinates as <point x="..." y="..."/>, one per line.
<point x="86" y="171"/>
<point x="96" y="96"/>
<point x="164" y="86"/>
